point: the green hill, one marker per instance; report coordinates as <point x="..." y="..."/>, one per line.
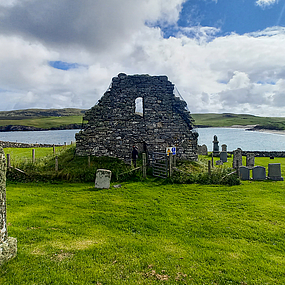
<point x="228" y="120"/>
<point x="38" y="119"/>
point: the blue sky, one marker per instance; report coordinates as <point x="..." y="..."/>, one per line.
<point x="223" y="56"/>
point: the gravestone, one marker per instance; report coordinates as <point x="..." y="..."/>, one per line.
<point x="103" y="178"/>
<point x="224" y="156"/>
<point x="204" y="149"/>
<point x="237" y="159"/>
<point x="8" y="245"/>
<point x="219" y="162"/>
<point x="274" y="172"/>
<point x="244" y="173"/>
<point x="216" y="151"/>
<point x="258" y="173"/>
<point x="224" y="147"/>
<point x="250" y="160"/>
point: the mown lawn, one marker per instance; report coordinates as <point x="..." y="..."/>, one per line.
<point x="146" y="233"/>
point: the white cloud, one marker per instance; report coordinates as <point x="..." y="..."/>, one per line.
<point x="265" y="3"/>
<point x="234" y="73"/>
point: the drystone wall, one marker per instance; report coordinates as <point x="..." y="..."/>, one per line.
<point x="114" y="126"/>
<point x="8" y="245"/>
<point x="7" y="144"/>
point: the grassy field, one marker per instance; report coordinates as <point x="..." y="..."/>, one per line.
<point x="147" y="232"/>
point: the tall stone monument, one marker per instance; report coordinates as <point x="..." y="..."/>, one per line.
<point x="237" y="158"/>
<point x="8" y="245"/>
<point x="216" y="150"/>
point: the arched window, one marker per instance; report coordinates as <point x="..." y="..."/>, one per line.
<point x="139" y="106"/>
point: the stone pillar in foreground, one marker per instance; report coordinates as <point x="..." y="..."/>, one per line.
<point x="8" y="245"/>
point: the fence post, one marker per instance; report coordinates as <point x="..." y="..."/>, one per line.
<point x="174" y="160"/>
<point x="209" y="167"/>
<point x="89" y="161"/>
<point x="170" y="164"/>
<point x="34" y="155"/>
<point x="53" y="147"/>
<point x="56" y="163"/>
<point x="144" y="164"/>
<point x="212" y="160"/>
<point x="8" y="160"/>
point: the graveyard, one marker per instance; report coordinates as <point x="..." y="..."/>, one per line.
<point x="146" y="230"/>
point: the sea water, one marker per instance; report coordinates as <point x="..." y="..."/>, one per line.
<point x="232" y="137"/>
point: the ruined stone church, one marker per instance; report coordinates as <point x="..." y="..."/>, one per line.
<point x="141" y="111"/>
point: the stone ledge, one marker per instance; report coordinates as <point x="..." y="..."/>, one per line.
<point x="8" y="249"/>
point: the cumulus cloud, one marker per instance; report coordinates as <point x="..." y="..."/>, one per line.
<point x="99" y="39"/>
<point x="265" y="3"/>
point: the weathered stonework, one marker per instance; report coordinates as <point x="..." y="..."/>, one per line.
<point x="8" y="245"/>
<point x="114" y="127"/>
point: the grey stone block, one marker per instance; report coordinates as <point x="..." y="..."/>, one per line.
<point x="219" y="162"/>
<point x="244" y="173"/>
<point x="103" y="178"/>
<point x="274" y="171"/>
<point x="258" y="173"/>
<point x="8" y="245"/>
<point x="224" y="156"/>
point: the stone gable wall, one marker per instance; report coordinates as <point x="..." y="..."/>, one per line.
<point x="113" y="126"/>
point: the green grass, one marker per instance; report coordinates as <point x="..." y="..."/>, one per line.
<point x="146" y="233"/>
<point x="227" y="120"/>
<point x="45" y="122"/>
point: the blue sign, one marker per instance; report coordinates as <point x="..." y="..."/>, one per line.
<point x="173" y="150"/>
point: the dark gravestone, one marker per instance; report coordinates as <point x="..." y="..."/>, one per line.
<point x="244" y="173"/>
<point x="258" y="173"/>
<point x="274" y="171"/>
<point x="216" y="151"/>
<point x="224" y="156"/>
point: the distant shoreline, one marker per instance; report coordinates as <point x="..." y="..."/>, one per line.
<point x="249" y="128"/>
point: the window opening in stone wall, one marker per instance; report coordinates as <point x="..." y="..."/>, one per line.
<point x="139" y="110"/>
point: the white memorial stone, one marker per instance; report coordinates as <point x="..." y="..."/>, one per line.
<point x="103" y="178"/>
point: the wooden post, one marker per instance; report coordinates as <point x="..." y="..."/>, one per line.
<point x="53" y="147"/>
<point x="8" y="160"/>
<point x="34" y="155"/>
<point x="174" y="160"/>
<point x="89" y="161"/>
<point x="209" y="167"/>
<point x="56" y="163"/>
<point x="212" y="160"/>
<point x="170" y="164"/>
<point x="144" y="164"/>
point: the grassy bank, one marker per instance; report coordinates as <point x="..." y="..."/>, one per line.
<point x="146" y="233"/>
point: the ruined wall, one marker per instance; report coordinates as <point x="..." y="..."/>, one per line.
<point x="113" y="126"/>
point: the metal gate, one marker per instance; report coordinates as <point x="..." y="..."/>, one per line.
<point x="160" y="165"/>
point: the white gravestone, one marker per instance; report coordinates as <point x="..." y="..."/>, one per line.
<point x="103" y="178"/>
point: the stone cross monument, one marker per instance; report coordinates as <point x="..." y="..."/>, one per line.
<point x="8" y="245"/>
